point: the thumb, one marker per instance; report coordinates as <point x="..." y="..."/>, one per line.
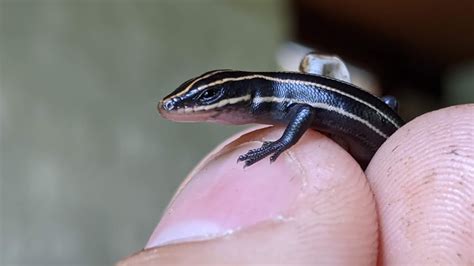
<point x="313" y="205"/>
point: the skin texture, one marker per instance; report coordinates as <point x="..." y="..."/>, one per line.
<point x="314" y="205"/>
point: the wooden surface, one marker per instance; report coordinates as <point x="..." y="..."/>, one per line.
<point x="406" y="44"/>
<point x="442" y="31"/>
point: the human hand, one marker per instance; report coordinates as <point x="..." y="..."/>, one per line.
<point x="314" y="205"/>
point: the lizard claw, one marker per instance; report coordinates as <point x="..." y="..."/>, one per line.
<point x="267" y="148"/>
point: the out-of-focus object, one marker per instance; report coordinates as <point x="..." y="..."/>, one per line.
<point x="325" y="65"/>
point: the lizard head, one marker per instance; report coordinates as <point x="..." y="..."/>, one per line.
<point x="211" y="96"/>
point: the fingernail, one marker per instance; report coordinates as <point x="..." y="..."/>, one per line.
<point x="222" y="197"/>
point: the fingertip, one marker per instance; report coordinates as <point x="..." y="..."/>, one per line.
<point x="422" y="178"/>
<point x="312" y="205"/>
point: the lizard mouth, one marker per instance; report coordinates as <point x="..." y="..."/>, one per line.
<point x="186" y="114"/>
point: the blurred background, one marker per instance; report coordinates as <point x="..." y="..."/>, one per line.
<point x="87" y="165"/>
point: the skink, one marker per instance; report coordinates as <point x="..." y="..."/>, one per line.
<point x="354" y="118"/>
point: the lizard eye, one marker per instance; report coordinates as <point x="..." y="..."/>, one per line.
<point x="210" y="96"/>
